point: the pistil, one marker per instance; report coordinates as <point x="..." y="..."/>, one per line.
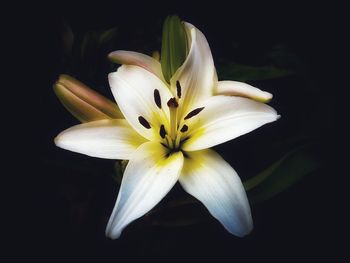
<point x="173" y="105"/>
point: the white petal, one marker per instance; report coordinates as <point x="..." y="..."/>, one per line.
<point x="133" y="89"/>
<point x="148" y="177"/>
<point x="235" y="88"/>
<point x="225" y="118"/>
<point x="197" y="75"/>
<point x="137" y="59"/>
<point x="213" y="181"/>
<point x="110" y="139"/>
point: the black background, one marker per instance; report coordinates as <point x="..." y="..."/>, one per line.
<point x="68" y="197"/>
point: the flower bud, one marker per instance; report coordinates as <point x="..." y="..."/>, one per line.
<point x="84" y="103"/>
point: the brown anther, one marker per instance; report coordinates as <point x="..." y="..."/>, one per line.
<point x="193" y="113"/>
<point x="157" y="99"/>
<point x="162" y="131"/>
<point x="178" y="89"/>
<point x="184" y="128"/>
<point x="144" y="122"/>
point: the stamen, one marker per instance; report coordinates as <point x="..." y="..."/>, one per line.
<point x="184" y="128"/>
<point x="169" y="141"/>
<point x="178" y="89"/>
<point x="177" y="141"/>
<point x="157" y="99"/>
<point x="183" y="140"/>
<point x="144" y="122"/>
<point x="162" y="131"/>
<point x="193" y="113"/>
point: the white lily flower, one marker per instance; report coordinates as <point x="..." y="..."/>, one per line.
<point x="166" y="135"/>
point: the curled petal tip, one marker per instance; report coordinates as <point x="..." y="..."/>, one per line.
<point x="246" y="228"/>
<point x="241" y="89"/>
<point x="112" y="234"/>
<point x="59" y="140"/>
<point x="137" y="59"/>
<point x="56" y="141"/>
<point x="113" y="56"/>
<point x="264" y="97"/>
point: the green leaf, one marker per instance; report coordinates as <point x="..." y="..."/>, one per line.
<point x="180" y="212"/>
<point x="119" y="168"/>
<point x="282" y="174"/>
<point x="107" y="35"/>
<point x="239" y="72"/>
<point x="174" y="46"/>
<point x="118" y="175"/>
<point x="67" y="37"/>
<point x="88" y="44"/>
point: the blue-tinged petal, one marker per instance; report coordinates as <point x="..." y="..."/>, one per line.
<point x="213" y="181"/>
<point x="148" y="177"/>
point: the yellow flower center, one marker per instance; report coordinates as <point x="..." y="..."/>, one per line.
<point x="173" y="137"/>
